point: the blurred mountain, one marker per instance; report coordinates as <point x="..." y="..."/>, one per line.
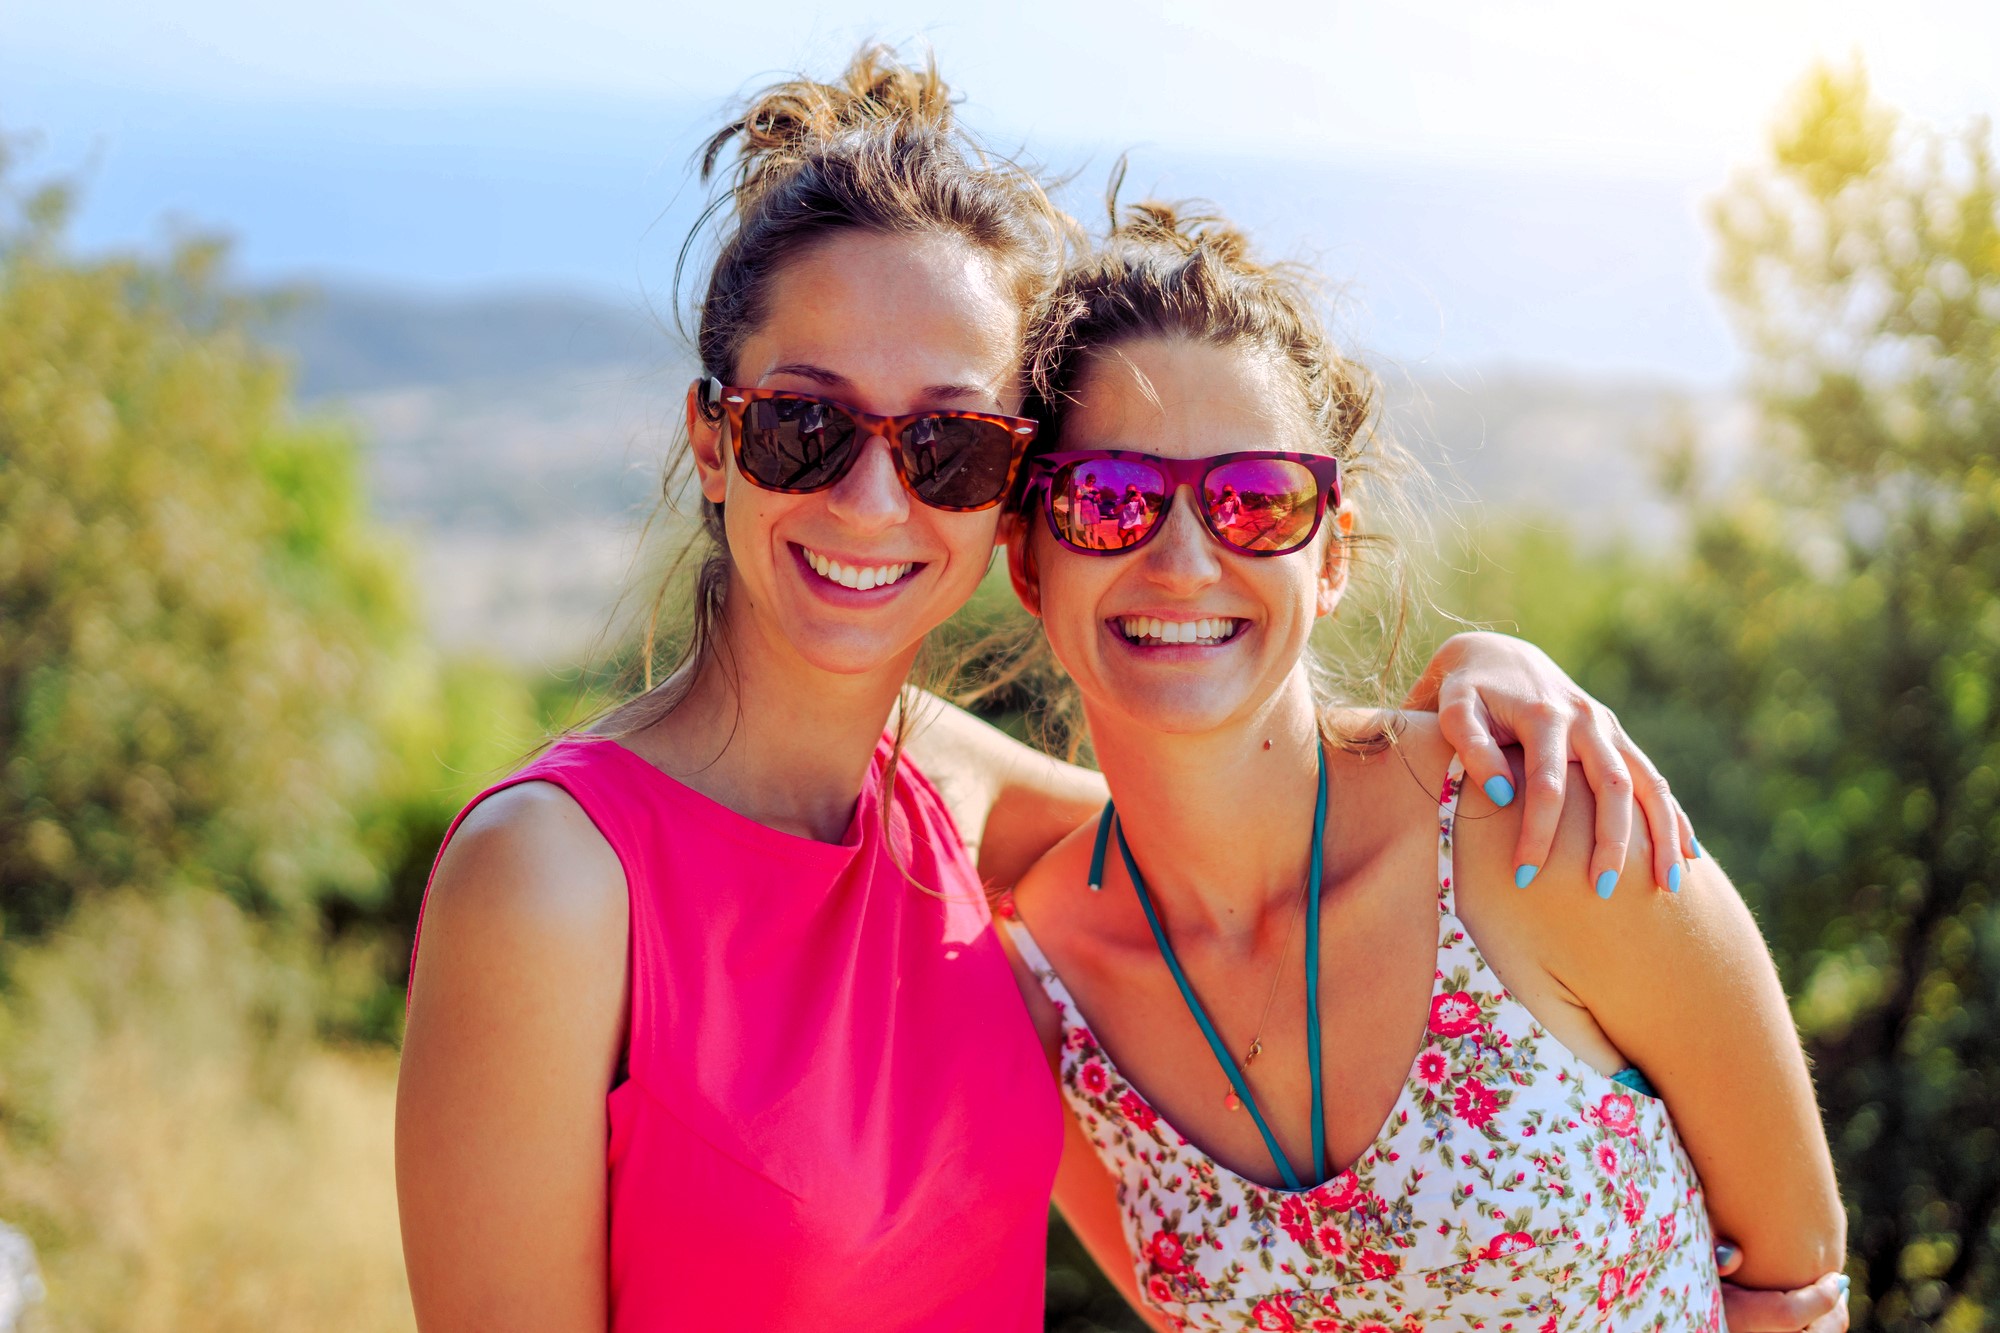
<point x="518" y="440"/>
<point x="348" y="340"/>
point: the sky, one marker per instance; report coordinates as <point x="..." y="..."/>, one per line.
<point x="1492" y="181"/>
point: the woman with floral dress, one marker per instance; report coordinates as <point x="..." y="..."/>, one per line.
<point x="1342" y="1072"/>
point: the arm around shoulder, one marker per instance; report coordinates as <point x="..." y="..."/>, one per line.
<point x="1011" y="802"/>
<point x="516" y="1020"/>
<point x="1683" y="985"/>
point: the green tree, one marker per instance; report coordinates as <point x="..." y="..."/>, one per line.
<point x="196" y="618"/>
<point x="1818" y="674"/>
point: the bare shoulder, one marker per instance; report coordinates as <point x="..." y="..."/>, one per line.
<point x="1047" y="892"/>
<point x="527" y="883"/>
<point x="530" y="851"/>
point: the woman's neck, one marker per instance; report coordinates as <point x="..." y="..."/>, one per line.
<point x="771" y="736"/>
<point x="1220" y="826"/>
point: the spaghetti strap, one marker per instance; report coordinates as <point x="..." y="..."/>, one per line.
<point x="1038" y="963"/>
<point x="1454" y="785"/>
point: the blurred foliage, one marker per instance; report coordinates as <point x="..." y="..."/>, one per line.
<point x="1818" y="673"/>
<point x="197" y="617"/>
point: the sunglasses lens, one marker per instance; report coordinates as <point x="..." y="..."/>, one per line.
<point x="1106" y="504"/>
<point x="1262" y="504"/>
<point x="957" y="462"/>
<point x="795" y="444"/>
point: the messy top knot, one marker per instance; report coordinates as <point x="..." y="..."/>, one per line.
<point x="1182" y="271"/>
<point x="781" y="126"/>
<point x="877" y="149"/>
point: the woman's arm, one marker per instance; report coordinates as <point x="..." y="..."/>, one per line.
<point x="516" y="1021"/>
<point x="1682" y="986"/>
<point x="1012" y="802"/>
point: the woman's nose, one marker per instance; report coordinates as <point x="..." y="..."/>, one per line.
<point x="1183" y="555"/>
<point x="870" y="498"/>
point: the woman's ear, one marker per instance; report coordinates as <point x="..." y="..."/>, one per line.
<point x="705" y="439"/>
<point x="1021" y="572"/>
<point x="1333" y="568"/>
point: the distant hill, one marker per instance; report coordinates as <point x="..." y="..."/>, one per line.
<point x="349" y="340"/>
<point x="518" y="440"/>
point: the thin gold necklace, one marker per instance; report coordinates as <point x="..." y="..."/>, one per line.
<point x="1229" y="1098"/>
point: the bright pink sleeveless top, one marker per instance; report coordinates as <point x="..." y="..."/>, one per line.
<point x="837" y="1114"/>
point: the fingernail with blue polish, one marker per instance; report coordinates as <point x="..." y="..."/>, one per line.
<point x="1499" y="791"/>
<point x="1525" y="875"/>
<point x="1606" y="882"/>
<point x="1842" y="1283"/>
<point x="1674" y="879"/>
<point x="1695" y="843"/>
<point x="1725" y="1255"/>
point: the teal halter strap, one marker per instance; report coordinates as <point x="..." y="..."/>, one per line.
<point x="1222" y="1056"/>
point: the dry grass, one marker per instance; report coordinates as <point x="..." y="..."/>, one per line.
<point x="180" y="1149"/>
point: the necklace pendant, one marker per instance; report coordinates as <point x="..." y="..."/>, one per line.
<point x="1255" y="1047"/>
<point x="1232" y="1101"/>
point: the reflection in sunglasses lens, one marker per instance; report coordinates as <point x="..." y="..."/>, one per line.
<point x="1263" y="504"/>
<point x="794" y="444"/>
<point x="957" y="462"/>
<point x="1106" y="504"/>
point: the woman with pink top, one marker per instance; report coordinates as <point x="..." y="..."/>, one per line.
<point x="710" y="1027"/>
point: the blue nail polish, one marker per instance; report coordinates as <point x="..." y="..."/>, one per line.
<point x="1695" y="843"/>
<point x="1606" y="882"/>
<point x="1525" y="875"/>
<point x="1725" y="1255"/>
<point x="1499" y="791"/>
<point x="1842" y="1283"/>
<point x="1674" y="879"/>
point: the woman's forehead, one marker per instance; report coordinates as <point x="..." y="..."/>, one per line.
<point x="1187" y="397"/>
<point x="907" y="316"/>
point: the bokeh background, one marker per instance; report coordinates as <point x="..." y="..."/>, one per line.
<point x="338" y="362"/>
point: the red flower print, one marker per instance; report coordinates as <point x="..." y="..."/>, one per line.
<point x="1078" y="1039"/>
<point x="1474" y="1103"/>
<point x="1609" y="1287"/>
<point x="1635" y="1207"/>
<point x="1454" y="1015"/>
<point x="1135" y="1109"/>
<point x="1270" y="1315"/>
<point x="1339" y="1194"/>
<point x="1376" y="1265"/>
<point x="1294" y="1217"/>
<point x="1549" y="1327"/>
<point x="1506" y="1243"/>
<point x="1324" y="1325"/>
<point x="1092" y="1078"/>
<point x="1638" y="1281"/>
<point x="1159" y="1290"/>
<point x="1667" y="1232"/>
<point x="1617" y="1113"/>
<point x="1332" y="1241"/>
<point x="1166" y="1252"/>
<point x="1607" y="1159"/>
<point x="1431" y="1067"/>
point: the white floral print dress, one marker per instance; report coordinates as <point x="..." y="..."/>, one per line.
<point x="1513" y="1188"/>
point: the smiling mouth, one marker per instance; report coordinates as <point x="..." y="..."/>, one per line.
<point x="1151" y="631"/>
<point x="859" y="577"/>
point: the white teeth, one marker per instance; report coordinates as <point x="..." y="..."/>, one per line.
<point x="1208" y="632"/>
<point x="856" y="576"/>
